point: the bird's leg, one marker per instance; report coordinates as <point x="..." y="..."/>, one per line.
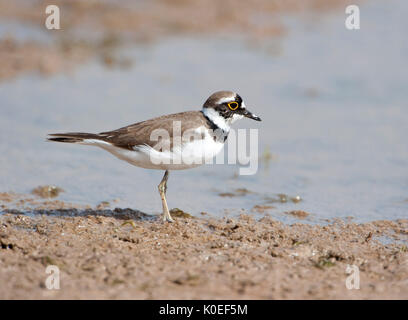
<point x="162" y="190"/>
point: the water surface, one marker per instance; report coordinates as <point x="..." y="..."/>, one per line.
<point x="333" y="104"/>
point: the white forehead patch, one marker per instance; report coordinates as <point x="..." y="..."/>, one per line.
<point x="226" y="99"/>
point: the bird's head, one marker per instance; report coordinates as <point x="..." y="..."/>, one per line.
<point x="225" y="107"/>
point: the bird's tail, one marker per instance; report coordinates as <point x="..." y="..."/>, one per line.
<point x="73" y="137"/>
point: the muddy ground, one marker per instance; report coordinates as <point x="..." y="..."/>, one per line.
<point x="126" y="254"/>
<point x="97" y="29"/>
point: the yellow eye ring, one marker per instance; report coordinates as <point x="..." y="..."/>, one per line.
<point x="233" y="105"/>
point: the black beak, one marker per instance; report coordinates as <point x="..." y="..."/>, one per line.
<point x="250" y="115"/>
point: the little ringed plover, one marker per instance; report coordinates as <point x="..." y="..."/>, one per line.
<point x="155" y="144"/>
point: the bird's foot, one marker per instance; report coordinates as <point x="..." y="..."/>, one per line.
<point x="167" y="217"/>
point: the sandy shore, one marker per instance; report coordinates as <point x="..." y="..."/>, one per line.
<point x="125" y="254"/>
<point x="97" y="29"/>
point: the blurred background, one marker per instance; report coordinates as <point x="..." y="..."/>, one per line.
<point x="333" y="140"/>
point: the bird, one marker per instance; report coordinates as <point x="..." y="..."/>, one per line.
<point x="165" y="142"/>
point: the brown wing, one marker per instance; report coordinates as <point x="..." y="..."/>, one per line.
<point x="140" y="133"/>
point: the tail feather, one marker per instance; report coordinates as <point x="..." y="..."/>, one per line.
<point x="73" y="137"/>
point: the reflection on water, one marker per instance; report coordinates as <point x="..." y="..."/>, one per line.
<point x="333" y="104"/>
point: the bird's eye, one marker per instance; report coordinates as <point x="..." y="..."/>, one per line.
<point x="233" y="105"/>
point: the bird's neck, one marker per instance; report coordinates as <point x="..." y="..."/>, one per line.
<point x="217" y="120"/>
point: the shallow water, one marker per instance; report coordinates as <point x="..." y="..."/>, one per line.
<point x="333" y="104"/>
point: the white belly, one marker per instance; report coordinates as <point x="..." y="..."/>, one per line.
<point x="190" y="155"/>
